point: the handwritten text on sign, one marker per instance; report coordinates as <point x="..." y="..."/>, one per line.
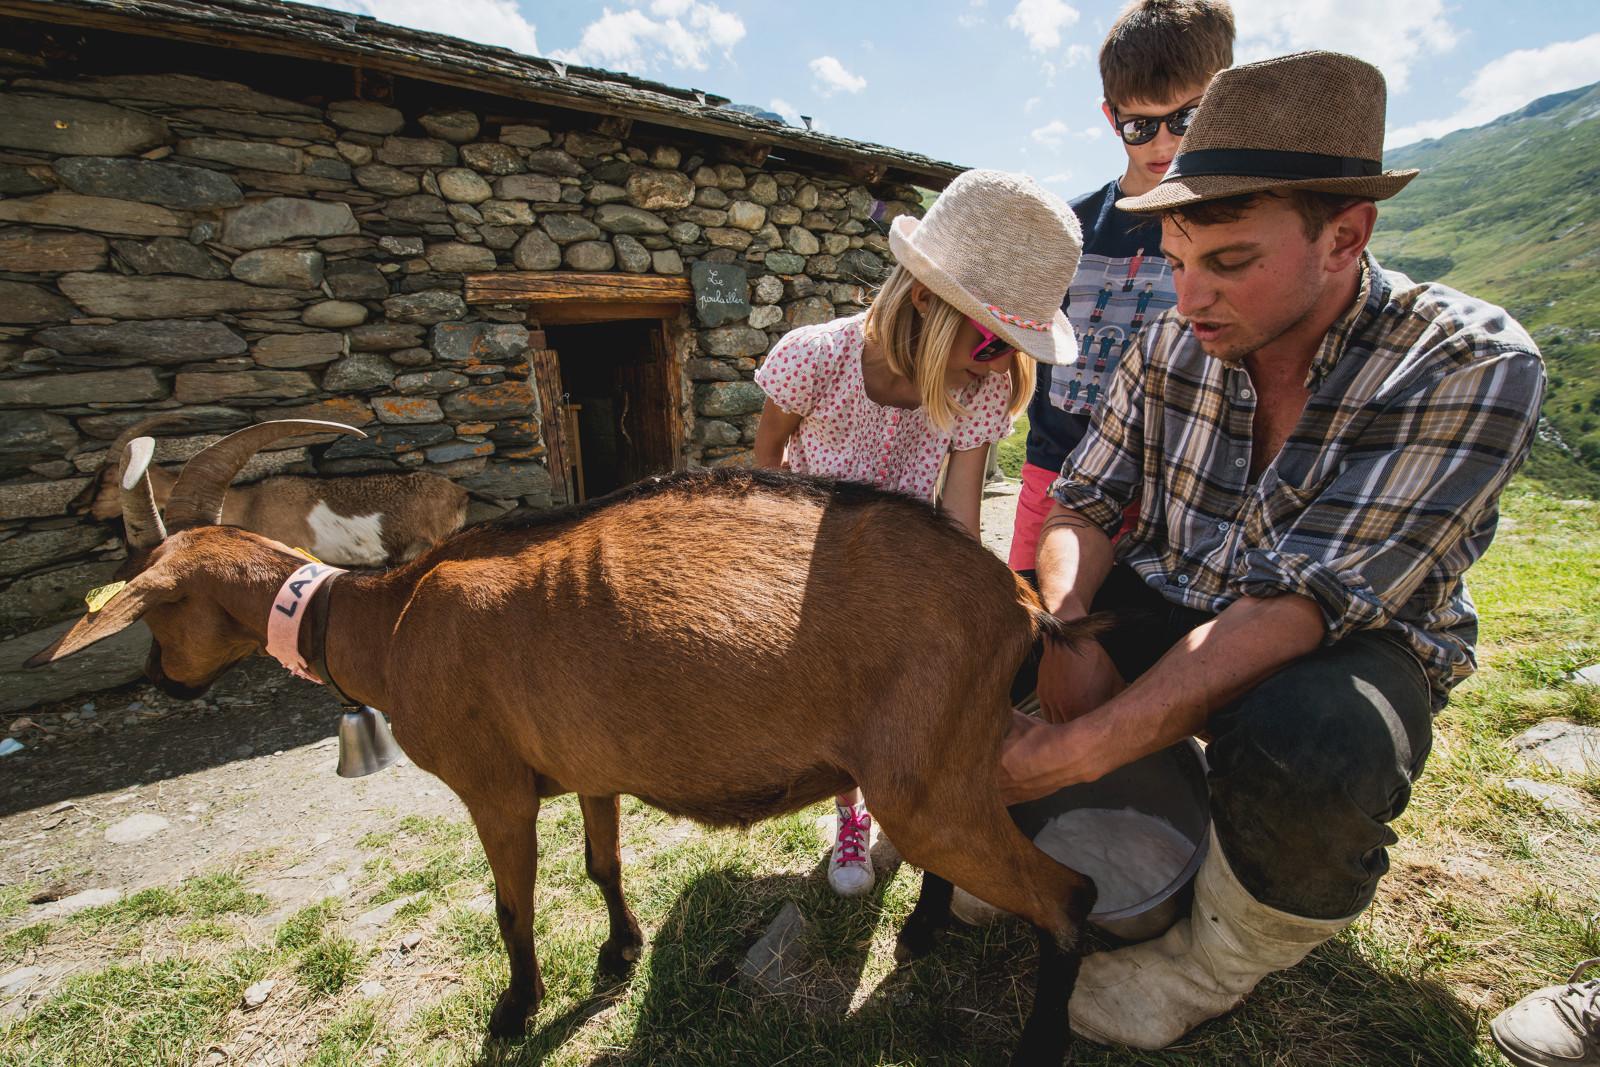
<point x="721" y="292"/>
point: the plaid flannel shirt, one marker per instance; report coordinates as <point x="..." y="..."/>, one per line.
<point x="1423" y="403"/>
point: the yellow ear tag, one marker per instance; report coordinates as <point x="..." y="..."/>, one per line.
<point x="98" y="597"/>
<point x="303" y="553"/>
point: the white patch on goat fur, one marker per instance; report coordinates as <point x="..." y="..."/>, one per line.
<point x="347" y="539"/>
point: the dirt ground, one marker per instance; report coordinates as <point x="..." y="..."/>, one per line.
<point x="243" y="778"/>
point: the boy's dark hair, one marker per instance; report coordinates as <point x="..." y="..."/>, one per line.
<point x="1158" y="48"/>
<point x="1315" y="209"/>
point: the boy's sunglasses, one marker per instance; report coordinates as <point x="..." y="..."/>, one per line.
<point x="1139" y="130"/>
<point x="991" y="346"/>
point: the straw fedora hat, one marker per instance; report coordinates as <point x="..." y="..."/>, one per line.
<point x="1311" y="121"/>
<point x="1001" y="250"/>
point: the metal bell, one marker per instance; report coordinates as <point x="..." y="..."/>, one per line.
<point x="365" y="743"/>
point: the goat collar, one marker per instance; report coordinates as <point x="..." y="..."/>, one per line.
<point x="303" y="599"/>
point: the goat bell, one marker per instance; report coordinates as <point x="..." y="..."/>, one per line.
<point x="365" y="743"/>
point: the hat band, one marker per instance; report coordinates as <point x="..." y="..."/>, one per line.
<point x="1263" y="163"/>
<point x="1018" y="320"/>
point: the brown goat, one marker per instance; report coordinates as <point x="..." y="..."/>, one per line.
<point x="837" y="635"/>
<point x="363" y="520"/>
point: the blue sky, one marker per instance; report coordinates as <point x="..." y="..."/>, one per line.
<point x="1014" y="83"/>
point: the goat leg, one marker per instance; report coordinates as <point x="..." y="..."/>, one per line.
<point x="927" y="919"/>
<point x="1045" y="1033"/>
<point x="603" y="861"/>
<point x="510" y="835"/>
<point x="978" y="847"/>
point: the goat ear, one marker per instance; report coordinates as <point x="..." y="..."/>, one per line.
<point x="121" y="612"/>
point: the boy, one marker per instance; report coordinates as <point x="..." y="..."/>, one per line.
<point x="1154" y="67"/>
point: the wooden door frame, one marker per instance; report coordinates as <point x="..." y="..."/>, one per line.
<point x="567" y="298"/>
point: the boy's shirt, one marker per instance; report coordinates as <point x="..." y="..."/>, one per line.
<point x="1122" y="283"/>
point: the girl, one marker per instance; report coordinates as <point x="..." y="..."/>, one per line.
<point x="931" y="369"/>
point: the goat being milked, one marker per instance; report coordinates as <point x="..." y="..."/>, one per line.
<point x="815" y="649"/>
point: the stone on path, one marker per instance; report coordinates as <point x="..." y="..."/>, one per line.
<point x="89" y="898"/>
<point x="1589" y="675"/>
<point x="257" y="995"/>
<point x="135" y="828"/>
<point x="770" y="963"/>
<point x="369" y="925"/>
<point x="1566" y="746"/>
<point x="370" y="988"/>
<point x="1562" y="798"/>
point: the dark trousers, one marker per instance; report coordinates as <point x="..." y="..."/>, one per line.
<point x="1309" y="768"/>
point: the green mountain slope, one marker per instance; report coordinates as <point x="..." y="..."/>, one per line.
<point x="1510" y="211"/>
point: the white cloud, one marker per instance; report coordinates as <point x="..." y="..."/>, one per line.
<point x="1042" y="22"/>
<point x="679" y="32"/>
<point x="831" y="77"/>
<point x="1077" y="53"/>
<point x="1052" y="134"/>
<point x="1061" y="178"/>
<point x="496" y="22"/>
<point x="1507" y="83"/>
<point x="969" y="21"/>
<point x="1029" y="104"/>
<point x="1389" y="35"/>
<point x="790" y="113"/>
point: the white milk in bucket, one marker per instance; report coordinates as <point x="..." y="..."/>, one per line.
<point x="1132" y="856"/>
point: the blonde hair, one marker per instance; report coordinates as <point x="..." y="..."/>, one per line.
<point x="896" y="327"/>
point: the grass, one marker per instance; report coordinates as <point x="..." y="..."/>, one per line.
<point x="1490" y="896"/>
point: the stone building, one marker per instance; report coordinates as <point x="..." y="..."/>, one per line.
<point x="542" y="281"/>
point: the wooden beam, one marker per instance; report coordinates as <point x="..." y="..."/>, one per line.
<point x="749" y="153"/>
<point x="865" y="173"/>
<point x="614" y="126"/>
<point x="553" y="287"/>
<point x="575" y="314"/>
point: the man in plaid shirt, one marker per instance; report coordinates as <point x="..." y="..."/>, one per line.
<point x="1317" y="447"/>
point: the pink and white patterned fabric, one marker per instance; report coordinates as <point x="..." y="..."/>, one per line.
<point x="815" y="372"/>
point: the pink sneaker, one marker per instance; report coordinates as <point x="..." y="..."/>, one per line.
<point x="850" y="867"/>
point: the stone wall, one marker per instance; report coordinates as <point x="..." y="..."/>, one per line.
<point x="232" y="253"/>
<point x="172" y="243"/>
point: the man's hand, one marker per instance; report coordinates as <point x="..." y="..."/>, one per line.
<point x="1074" y="681"/>
<point x="1037" y="758"/>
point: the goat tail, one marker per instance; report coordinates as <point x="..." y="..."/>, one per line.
<point x="1070" y="632"/>
<point x="1057" y="630"/>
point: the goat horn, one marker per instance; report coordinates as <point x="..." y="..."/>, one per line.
<point x="113" y="461"/>
<point x="140" y="519"/>
<point x="197" y="497"/>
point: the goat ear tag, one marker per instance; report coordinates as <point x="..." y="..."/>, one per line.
<point x="100" y="596"/>
<point x="303" y="554"/>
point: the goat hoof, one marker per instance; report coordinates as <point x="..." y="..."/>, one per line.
<point x="618" y="957"/>
<point x="1041" y="1045"/>
<point x="509" y="1020"/>
<point x="914" y="943"/>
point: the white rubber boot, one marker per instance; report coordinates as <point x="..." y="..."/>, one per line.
<point x="1149" y="995"/>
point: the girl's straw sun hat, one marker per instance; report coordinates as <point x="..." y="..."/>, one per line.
<point x="1001" y="250"/>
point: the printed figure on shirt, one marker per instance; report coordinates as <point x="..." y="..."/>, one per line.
<point x="1100" y="302"/>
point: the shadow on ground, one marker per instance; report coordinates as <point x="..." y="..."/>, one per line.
<point x="962" y="1005"/>
<point x="251" y="710"/>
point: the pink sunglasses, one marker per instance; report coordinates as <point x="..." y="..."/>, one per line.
<point x="991" y="346"/>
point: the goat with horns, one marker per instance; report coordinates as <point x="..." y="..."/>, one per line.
<point x="802" y="657"/>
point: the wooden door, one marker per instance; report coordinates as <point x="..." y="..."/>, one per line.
<point x="553" y="421"/>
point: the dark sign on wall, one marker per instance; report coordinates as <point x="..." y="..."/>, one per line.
<point x="721" y="292"/>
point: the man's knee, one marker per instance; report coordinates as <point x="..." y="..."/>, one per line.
<point x="1309" y="768"/>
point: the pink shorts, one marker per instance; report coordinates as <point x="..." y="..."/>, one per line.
<point x="1032" y="506"/>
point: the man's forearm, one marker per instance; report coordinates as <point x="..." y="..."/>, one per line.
<point x="1213" y="665"/>
<point x="1073" y="560"/>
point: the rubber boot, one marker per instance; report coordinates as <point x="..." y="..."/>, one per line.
<point x="1149" y="995"/>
